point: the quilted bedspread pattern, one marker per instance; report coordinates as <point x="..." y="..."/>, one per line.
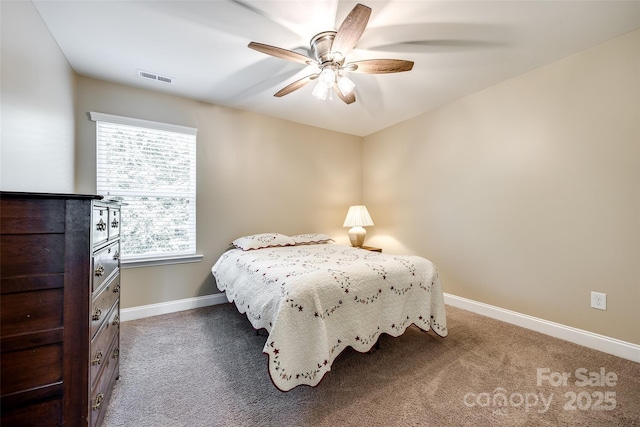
<point x="316" y="300"/>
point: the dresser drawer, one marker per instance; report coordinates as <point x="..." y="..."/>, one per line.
<point x="103" y="302"/>
<point x="114" y="223"/>
<point x="31" y="254"/>
<point x="25" y="312"/>
<point x="99" y="354"/>
<point x="100" y="224"/>
<point x="104" y="385"/>
<point x="31" y="368"/>
<point x="31" y="216"/>
<point x="105" y="263"/>
<point x="43" y="414"/>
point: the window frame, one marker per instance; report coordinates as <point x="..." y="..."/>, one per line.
<point x="152" y="259"/>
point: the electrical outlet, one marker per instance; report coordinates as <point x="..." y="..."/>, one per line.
<point x="598" y="300"/>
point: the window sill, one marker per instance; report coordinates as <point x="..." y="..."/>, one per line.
<point x="150" y="262"/>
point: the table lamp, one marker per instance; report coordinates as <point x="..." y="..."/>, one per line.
<point x="357" y="218"/>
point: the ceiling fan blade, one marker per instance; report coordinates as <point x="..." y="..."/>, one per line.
<point x="348" y="99"/>
<point x="379" y="66"/>
<point x="278" y="52"/>
<point x="296" y="85"/>
<point x="351" y="29"/>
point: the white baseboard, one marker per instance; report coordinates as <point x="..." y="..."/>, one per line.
<point x="171" y="306"/>
<point x="609" y="345"/>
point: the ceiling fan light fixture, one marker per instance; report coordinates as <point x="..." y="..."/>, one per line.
<point x="328" y="76"/>
<point x="320" y="91"/>
<point x="345" y="85"/>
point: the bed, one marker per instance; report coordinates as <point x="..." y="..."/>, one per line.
<point x="316" y="298"/>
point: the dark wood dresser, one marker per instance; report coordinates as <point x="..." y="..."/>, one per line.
<point x="60" y="308"/>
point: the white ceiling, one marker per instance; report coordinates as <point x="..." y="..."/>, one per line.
<point x="459" y="47"/>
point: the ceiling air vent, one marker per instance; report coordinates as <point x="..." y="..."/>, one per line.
<point x="153" y="76"/>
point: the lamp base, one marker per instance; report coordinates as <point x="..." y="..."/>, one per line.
<point x="356" y="236"/>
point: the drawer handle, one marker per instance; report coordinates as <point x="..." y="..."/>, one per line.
<point x="116" y="256"/>
<point x="99" y="270"/>
<point x="116" y="288"/>
<point x="97" y="401"/>
<point x="116" y="353"/>
<point x="97" y="359"/>
<point x="96" y="314"/>
<point x="114" y="223"/>
<point x="101" y="225"/>
<point x="116" y="321"/>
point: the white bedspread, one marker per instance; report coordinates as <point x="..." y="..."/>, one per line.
<point x="316" y="300"/>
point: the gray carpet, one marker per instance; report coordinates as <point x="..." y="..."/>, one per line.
<point x="205" y="367"/>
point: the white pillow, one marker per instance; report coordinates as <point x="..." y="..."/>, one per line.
<point x="307" y="239"/>
<point x="263" y="240"/>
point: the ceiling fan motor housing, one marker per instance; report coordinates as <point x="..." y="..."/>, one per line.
<point x="321" y="47"/>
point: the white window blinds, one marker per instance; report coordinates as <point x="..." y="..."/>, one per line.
<point x="151" y="167"/>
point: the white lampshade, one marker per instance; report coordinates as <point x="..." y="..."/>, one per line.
<point x="357" y="218"/>
<point x="330" y="79"/>
<point x="346" y="86"/>
<point x="327" y="76"/>
<point x="320" y="91"/>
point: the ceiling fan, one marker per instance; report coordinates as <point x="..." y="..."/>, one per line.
<point x="330" y="49"/>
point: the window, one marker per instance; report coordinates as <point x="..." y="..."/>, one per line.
<point x="151" y="168"/>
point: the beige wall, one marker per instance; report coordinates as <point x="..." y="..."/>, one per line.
<point x="254" y="174"/>
<point x="526" y="195"/>
<point x="37" y="111"/>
